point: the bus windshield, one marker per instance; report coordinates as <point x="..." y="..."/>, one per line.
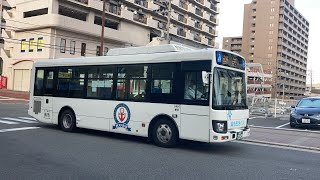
<point x="229" y="90"/>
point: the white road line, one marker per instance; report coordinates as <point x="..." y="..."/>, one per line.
<point x="19" y="120"/>
<point x="18" y="129"/>
<point x="282" y="125"/>
<point x="28" y="118"/>
<point x="8" y="122"/>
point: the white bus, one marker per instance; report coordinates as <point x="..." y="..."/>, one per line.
<point x="165" y="93"/>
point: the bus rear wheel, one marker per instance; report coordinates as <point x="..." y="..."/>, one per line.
<point x="165" y="133"/>
<point x="67" y="121"/>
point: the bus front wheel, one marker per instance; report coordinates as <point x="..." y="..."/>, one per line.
<point x="67" y="121"/>
<point x="165" y="133"/>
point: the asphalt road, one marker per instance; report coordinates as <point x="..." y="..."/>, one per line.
<point x="48" y="153"/>
<point x="280" y="122"/>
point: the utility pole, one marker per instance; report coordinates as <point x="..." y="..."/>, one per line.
<point x="282" y="92"/>
<point x="311" y="76"/>
<point x="168" y="23"/>
<point x="102" y="27"/>
<point x="1" y="7"/>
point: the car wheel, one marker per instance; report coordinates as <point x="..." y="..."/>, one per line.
<point x="292" y="125"/>
<point x="67" y="121"/>
<point x="165" y="133"/>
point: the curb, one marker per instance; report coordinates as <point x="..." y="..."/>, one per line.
<point x="285" y="129"/>
<point x="282" y="145"/>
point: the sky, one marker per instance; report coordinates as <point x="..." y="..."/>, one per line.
<point x="231" y="23"/>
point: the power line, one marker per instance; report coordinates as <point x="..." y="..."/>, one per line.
<point x="49" y="46"/>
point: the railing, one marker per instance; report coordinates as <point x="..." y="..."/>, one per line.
<point x="197" y="38"/>
<point x="141" y="3"/>
<point x="213" y="7"/>
<point x="182" y="19"/>
<point x="181" y="33"/>
<point x="183" y="5"/>
<point x="114" y="9"/>
<point x="140" y="18"/>
<point x="198" y="25"/>
<point x="82" y="1"/>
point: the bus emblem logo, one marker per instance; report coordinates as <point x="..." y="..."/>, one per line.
<point x="121" y="116"/>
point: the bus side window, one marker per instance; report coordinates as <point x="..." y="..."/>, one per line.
<point x="49" y="84"/>
<point x="38" y="85"/>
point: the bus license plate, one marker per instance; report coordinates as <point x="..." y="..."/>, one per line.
<point x="306" y="121"/>
<point x="237" y="123"/>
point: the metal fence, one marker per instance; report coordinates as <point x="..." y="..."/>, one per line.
<point x="266" y="107"/>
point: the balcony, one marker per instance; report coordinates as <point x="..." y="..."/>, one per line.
<point x="141" y="3"/>
<point x="198" y="25"/>
<point x="197" y="38"/>
<point x="214" y="8"/>
<point x="200" y="1"/>
<point x="140" y="18"/>
<point x="181" y="32"/>
<point x="113" y="9"/>
<point x="183" y="5"/>
<point x="182" y="19"/>
<point x="82" y="1"/>
<point x="199" y="12"/>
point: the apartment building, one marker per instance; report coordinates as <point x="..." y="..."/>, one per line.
<point x="52" y="29"/>
<point x="276" y="35"/>
<point x="233" y="44"/>
<point x="3" y="6"/>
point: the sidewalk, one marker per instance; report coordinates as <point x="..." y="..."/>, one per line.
<point x="289" y="138"/>
<point x="14" y="94"/>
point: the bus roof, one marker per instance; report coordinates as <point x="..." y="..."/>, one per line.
<point x="136" y="55"/>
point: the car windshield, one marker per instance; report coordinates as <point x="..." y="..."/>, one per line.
<point x="310" y="103"/>
<point x="229" y="90"/>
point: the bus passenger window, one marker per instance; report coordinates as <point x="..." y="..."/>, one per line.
<point x="194" y="88"/>
<point x="38" y="87"/>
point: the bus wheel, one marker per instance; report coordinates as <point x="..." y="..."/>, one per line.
<point x="165" y="133"/>
<point x="67" y="121"/>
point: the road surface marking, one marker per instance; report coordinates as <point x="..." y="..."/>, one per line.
<point x="282" y="125"/>
<point x="28" y="118"/>
<point x="18" y="120"/>
<point x="8" y="122"/>
<point x="18" y="129"/>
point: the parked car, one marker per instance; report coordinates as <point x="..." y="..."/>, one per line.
<point x="306" y="113"/>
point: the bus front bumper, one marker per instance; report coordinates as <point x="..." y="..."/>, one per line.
<point x="229" y="136"/>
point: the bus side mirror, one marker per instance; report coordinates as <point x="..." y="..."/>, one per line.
<point x="205" y="77"/>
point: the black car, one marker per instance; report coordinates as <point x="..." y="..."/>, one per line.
<point x="306" y="113"/>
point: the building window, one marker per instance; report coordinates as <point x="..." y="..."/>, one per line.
<point x="23" y="45"/>
<point x="98" y="51"/>
<point x="72" y="13"/>
<point x="83" y="49"/>
<point x="39" y="44"/>
<point x="269" y="55"/>
<point x="270" y="48"/>
<point x="272" y="17"/>
<point x="63" y="45"/>
<point x="270" y="32"/>
<point x="270" y="40"/>
<point x="37" y="12"/>
<point x="72" y="47"/>
<point x="271" y="25"/>
<point x="31" y="44"/>
<point x="272" y="9"/>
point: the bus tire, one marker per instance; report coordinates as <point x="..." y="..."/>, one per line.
<point x="67" y="121"/>
<point x="165" y="133"/>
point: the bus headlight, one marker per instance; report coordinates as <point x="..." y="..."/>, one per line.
<point x="219" y="126"/>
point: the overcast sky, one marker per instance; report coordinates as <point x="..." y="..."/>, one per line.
<point x="231" y="22"/>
